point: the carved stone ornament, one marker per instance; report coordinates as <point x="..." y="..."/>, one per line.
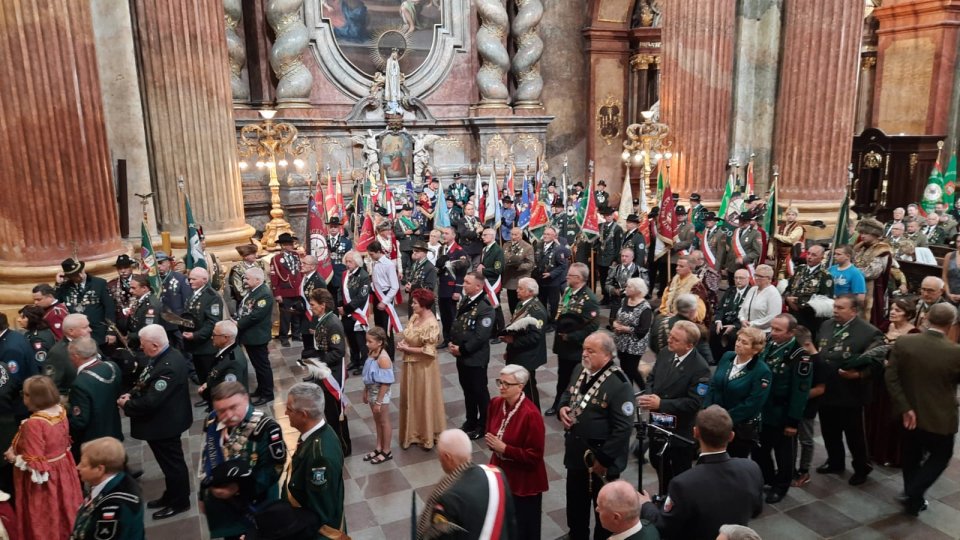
<point x="872" y="160"/>
<point x="610" y="119"/>
<point x="497" y="151"/>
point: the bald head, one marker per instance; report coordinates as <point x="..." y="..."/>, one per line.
<point x="454" y="448"/>
<point x="198" y="277"/>
<point x="618" y="504"/>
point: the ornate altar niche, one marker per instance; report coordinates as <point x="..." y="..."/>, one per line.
<point x="364" y="119"/>
<point x="891" y="170"/>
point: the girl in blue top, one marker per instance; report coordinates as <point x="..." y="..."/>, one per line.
<point x="377" y="378"/>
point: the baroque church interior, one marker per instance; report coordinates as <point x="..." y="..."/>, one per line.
<point x="117" y="112"/>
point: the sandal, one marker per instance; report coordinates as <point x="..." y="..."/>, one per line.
<point x="370" y="456"/>
<point x="381" y="458"/>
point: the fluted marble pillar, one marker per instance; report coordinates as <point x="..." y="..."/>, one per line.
<point x="59" y="194"/>
<point x="237" y="51"/>
<point x="696" y="91"/>
<point x="185" y="79"/>
<point x="816" y="103"/>
<point x="526" y="60"/>
<point x="286" y="55"/>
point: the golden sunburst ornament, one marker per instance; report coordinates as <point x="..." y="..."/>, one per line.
<point x="383" y="43"/>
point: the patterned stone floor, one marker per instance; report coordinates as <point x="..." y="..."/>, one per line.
<point x="378" y="497"/>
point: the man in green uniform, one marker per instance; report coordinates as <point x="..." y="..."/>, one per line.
<point x="93" y="409"/>
<point x="146" y="310"/>
<point x="698" y="213"/>
<point x="114" y="510"/>
<point x="792" y="375"/>
<point x="58" y="366"/>
<point x="525" y="337"/>
<point x="469" y="344"/>
<point x="254" y="322"/>
<point x="842" y="342"/>
<point x="315" y="480"/>
<point x="325" y="363"/>
<point x="597" y="411"/>
<point x="462" y="503"/>
<point x="81" y="293"/>
<point x="607" y="248"/>
<point x="491" y="264"/>
<point x="206" y="306"/>
<point x="229" y="364"/>
<point x="808" y="280"/>
<point x="579" y="309"/>
<point x="242" y="457"/>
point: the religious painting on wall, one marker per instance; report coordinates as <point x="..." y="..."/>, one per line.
<point x="366" y="31"/>
<point x="396" y="156"/>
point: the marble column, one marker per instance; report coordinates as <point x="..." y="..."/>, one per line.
<point x="816" y="103"/>
<point x="286" y="55"/>
<point x="526" y="59"/>
<point x="122" y="107"/>
<point x="185" y="80"/>
<point x="494" y="60"/>
<point x="237" y="51"/>
<point x="755" y="89"/>
<point x="53" y="147"/>
<point x="696" y="93"/>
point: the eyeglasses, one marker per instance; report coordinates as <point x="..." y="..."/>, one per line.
<point x="500" y="382"/>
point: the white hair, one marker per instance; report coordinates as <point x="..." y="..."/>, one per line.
<point x="738" y="532"/>
<point x="455" y="443"/>
<point x="84" y="347"/>
<point x="308" y="397"/>
<point x="255" y="273"/>
<point x="686" y="303"/>
<point x="529" y="284"/>
<point x="519" y="372"/>
<point x="355" y="256"/>
<point x="154" y="333"/>
<point x="638" y="284"/>
<point x="227" y="328"/>
<point x="74" y="321"/>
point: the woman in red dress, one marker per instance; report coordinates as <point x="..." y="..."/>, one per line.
<point x="46" y="486"/>
<point x="516" y="434"/>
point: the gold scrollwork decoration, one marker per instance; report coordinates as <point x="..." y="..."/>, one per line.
<point x="497" y="150"/>
<point x="914" y="159"/>
<point x="872" y="160"/>
<point x="610" y="119"/>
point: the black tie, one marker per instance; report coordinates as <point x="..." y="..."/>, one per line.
<point x="676" y="361"/>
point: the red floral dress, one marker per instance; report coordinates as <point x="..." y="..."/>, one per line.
<point x="46" y="486"/>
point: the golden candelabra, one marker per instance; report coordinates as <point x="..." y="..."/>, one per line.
<point x="646" y="144"/>
<point x="271" y="143"/>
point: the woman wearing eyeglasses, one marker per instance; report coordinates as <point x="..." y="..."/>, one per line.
<point x="516" y="434"/>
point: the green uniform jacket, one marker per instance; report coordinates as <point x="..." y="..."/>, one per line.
<point x="583" y="303"/>
<point x="93" y="404"/>
<point x="159" y="406"/>
<point x="529" y="346"/>
<point x="41" y="341"/>
<point x="207" y="307"/>
<point x="316" y="478"/>
<point x="230" y="365"/>
<point x="686" y="235"/>
<point x="329" y="342"/>
<point x="267" y="455"/>
<point x="604" y="425"/>
<point x="744" y="395"/>
<point x="471" y="331"/>
<point x="58" y="366"/>
<point x="115" y="514"/>
<point x="634" y="240"/>
<point x="792" y="376"/>
<point x="840" y="348"/>
<point x="147" y="312"/>
<point x="492" y="262"/>
<point x="751" y="242"/>
<point x="254" y="316"/>
<point x="93" y="300"/>
<point x="608" y="245"/>
<point x="807" y="282"/>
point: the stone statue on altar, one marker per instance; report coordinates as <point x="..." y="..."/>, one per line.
<point x="421" y="154"/>
<point x="371" y="154"/>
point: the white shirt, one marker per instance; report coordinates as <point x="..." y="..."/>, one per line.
<point x="385" y="278"/>
<point x="433" y="251"/>
<point x="760" y="307"/>
<point x="627" y="533"/>
<point x="736" y="368"/>
<point x="306" y="435"/>
<point x="95" y="490"/>
<point x="678" y="359"/>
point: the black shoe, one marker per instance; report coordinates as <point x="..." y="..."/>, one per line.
<point x="774" y="496"/>
<point x="195" y="379"/>
<point x="474" y="435"/>
<point x="156" y="503"/>
<point x="549" y="328"/>
<point x="859" y="477"/>
<point x="170" y="511"/>
<point x="913" y="509"/>
<point x="495" y="340"/>
<point x="826" y="468"/>
<point x="468" y="427"/>
<point x="356" y="371"/>
<point x="552" y="411"/>
<point x="297" y="338"/>
<point x="260" y="402"/>
<point x="201" y="403"/>
<point x="284" y="342"/>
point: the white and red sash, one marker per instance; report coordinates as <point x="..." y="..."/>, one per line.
<point x="708" y="254"/>
<point x="496" y="504"/>
<point x="742" y="254"/>
<point x="493" y="291"/>
<point x="359" y="314"/>
<point x="391" y="311"/>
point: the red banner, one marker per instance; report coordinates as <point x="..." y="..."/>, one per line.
<point x="667" y="219"/>
<point x="366" y="234"/>
<point x="317" y="237"/>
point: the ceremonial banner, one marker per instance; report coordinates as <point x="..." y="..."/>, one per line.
<point x="148" y="260"/>
<point x="626" y="201"/>
<point x="317" y="236"/>
<point x="194" y="257"/>
<point x="933" y="193"/>
<point x="587" y="214"/>
<point x="441" y="216"/>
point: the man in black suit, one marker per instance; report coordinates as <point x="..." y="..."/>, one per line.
<point x="525" y="338"/>
<point x="311" y="281"/>
<point x="470" y="344"/>
<point x="159" y="411"/>
<point x="452" y="265"/>
<point x="719" y="490"/>
<point x="676" y="387"/>
<point x="922" y="377"/>
<point x="551" y="260"/>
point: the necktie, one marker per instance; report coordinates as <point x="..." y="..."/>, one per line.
<point x="676" y="361"/>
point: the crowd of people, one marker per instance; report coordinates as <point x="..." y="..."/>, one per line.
<point x="753" y="338"/>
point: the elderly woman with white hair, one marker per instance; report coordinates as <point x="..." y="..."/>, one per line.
<point x="632" y="328"/>
<point x="516" y="435"/>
